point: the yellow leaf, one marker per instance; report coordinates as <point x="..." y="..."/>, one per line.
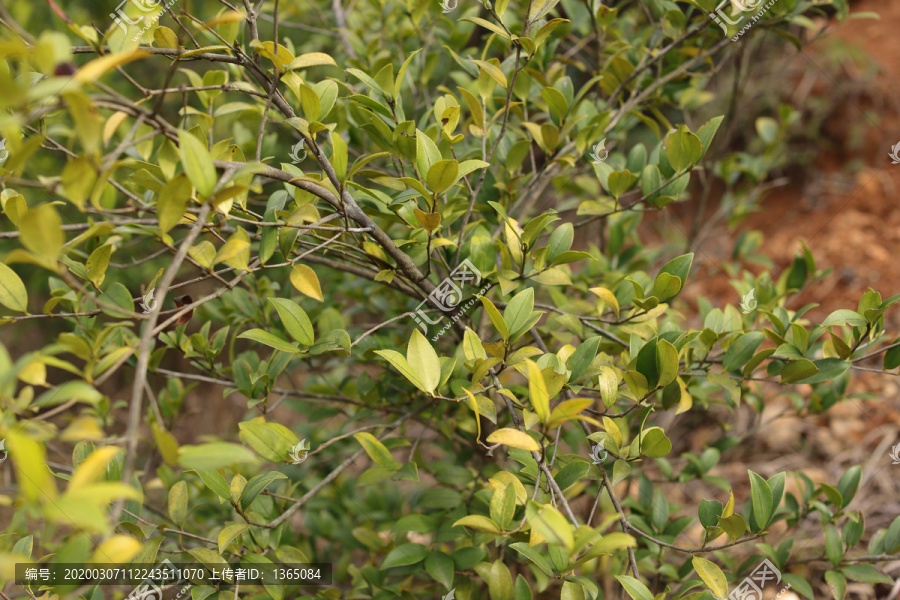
<point x="231" y="16"/>
<point x="608" y="297"/>
<point x="118" y="549"/>
<point x="29" y="457"/>
<point x="480" y="523"/>
<point x="92" y="468"/>
<point x="537" y="389"/>
<point x="492" y="70"/>
<point x="42" y="231"/>
<point x="307" y="283"/>
<point x="81" y="429"/>
<point x="100" y="66"/>
<point x="236" y="251"/>
<point x="430" y="221"/>
<point x="513" y="438"/>
<point x="165" y="38"/>
<point x="424" y="361"/>
<point x="311" y="59"/>
<point x="112" y="124"/>
<point x="13" y="294"/>
<point x="34" y="373"/>
<point x="712" y="576"/>
<point x="167" y="444"/>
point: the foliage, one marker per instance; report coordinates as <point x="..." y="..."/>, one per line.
<point x="160" y="154"/>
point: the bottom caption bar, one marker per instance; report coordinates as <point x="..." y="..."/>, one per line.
<point x="167" y="573"/>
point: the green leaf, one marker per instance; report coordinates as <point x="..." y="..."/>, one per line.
<point x="635" y="589"/>
<point x="891" y="539"/>
<point x="272" y="441"/>
<point x="213" y="456"/>
<point x="173" y="202"/>
<point x="667" y="362"/>
<point x="711" y="575"/>
<point x="377" y="451"/>
<point x="654" y="443"/>
<point x="12" y="291"/>
<point x="735" y="526"/>
<point x="197" y="162"/>
<point x="709" y="512"/>
<point x="440" y="566"/>
<point x="500" y="582"/>
<point x="424" y="361"/>
<point x="209" y="558"/>
<point x="865" y="573"/>
<point x="683" y="148"/>
<point x="441" y="175"/>
<point x="550" y="524"/>
<point x="798" y="369"/>
<point x="707" y="132"/>
<point x="336" y="339"/>
<point x="264" y="337"/>
<point x="844" y="316"/>
<point x="400" y="363"/>
<point x="534" y="556"/>
<point x="834" y="546"/>
<point x="294" y="320"/>
<point x="837" y="583"/>
<point x="427" y="153"/>
<point x="761" y="497"/>
<point x="495" y="317"/>
<point x="678" y="267"/>
<point x="310" y="59"/>
<point x="571" y="474"/>
<point x="608" y="384"/>
<point x="849" y="483"/>
<point x="97" y="264"/>
<point x="666" y="286"/>
<point x="178" y="500"/>
<point x="742" y="349"/>
<point x="214" y="481"/>
<point x="478" y="522"/>
<point x="519" y="310"/>
<point x="403" y="555"/>
<point x="892" y="357"/>
<point x="339" y="156"/>
<point x="256" y="485"/>
<point x="620" y="182"/>
<point x="799" y="584"/>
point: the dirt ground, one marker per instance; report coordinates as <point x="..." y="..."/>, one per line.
<point x="850" y="221"/>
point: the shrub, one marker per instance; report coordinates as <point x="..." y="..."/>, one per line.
<point x="407" y="249"/>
